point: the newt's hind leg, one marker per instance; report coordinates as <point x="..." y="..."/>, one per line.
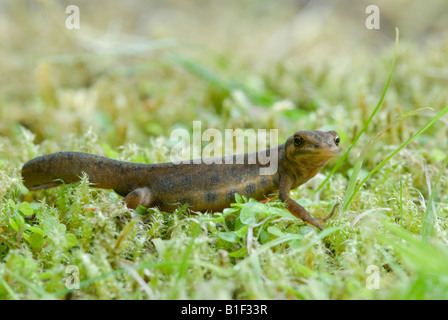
<point x="140" y="196"/>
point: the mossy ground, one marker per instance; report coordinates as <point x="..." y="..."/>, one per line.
<point x="137" y="70"/>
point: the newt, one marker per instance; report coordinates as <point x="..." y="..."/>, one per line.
<point x="203" y="186"/>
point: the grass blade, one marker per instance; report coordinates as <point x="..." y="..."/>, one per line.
<point x="428" y="125"/>
<point x="345" y="155"/>
<point x="430" y="214"/>
<point x="358" y="163"/>
<point x="9" y="289"/>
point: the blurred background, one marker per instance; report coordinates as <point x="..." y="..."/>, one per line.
<point x="137" y="69"/>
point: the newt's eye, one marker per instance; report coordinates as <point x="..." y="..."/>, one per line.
<point x="298" y="141"/>
<point x="337" y="140"/>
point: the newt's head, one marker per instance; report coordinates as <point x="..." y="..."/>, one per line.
<point x="309" y="151"/>
<point x="313" y="144"/>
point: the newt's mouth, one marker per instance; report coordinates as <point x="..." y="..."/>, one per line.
<point x="331" y="152"/>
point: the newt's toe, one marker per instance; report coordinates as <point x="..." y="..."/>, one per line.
<point x="316" y="222"/>
<point x="332" y="212"/>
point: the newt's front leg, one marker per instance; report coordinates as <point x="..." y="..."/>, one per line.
<point x="295" y="208"/>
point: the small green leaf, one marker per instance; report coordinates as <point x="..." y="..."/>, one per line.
<point x="241" y="253"/>
<point x="281" y="212"/>
<point x="229" y="236"/>
<point x="13" y="224"/>
<point x="228" y="211"/>
<point x="16" y="221"/>
<point x="276" y="231"/>
<point x="252" y="211"/>
<point x="238" y="198"/>
<point x="237" y="224"/>
<point x="264" y="236"/>
<point x="54" y="230"/>
<point x="241" y="232"/>
<point x="140" y="210"/>
<point x="51" y="225"/>
<point x="35" y="229"/>
<point x="61" y="227"/>
<point x="25" y="209"/>
<point x="247" y="215"/>
<point x="36" y="240"/>
<point x="71" y="240"/>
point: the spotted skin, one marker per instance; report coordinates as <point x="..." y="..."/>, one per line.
<point x="231" y="194"/>
<point x="204" y="186"/>
<point x="211" y="196"/>
<point x="250" y="189"/>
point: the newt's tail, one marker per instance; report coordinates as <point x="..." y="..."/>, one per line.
<point x="53" y="169"/>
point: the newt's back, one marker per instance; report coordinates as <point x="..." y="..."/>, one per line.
<point x="202" y="185"/>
